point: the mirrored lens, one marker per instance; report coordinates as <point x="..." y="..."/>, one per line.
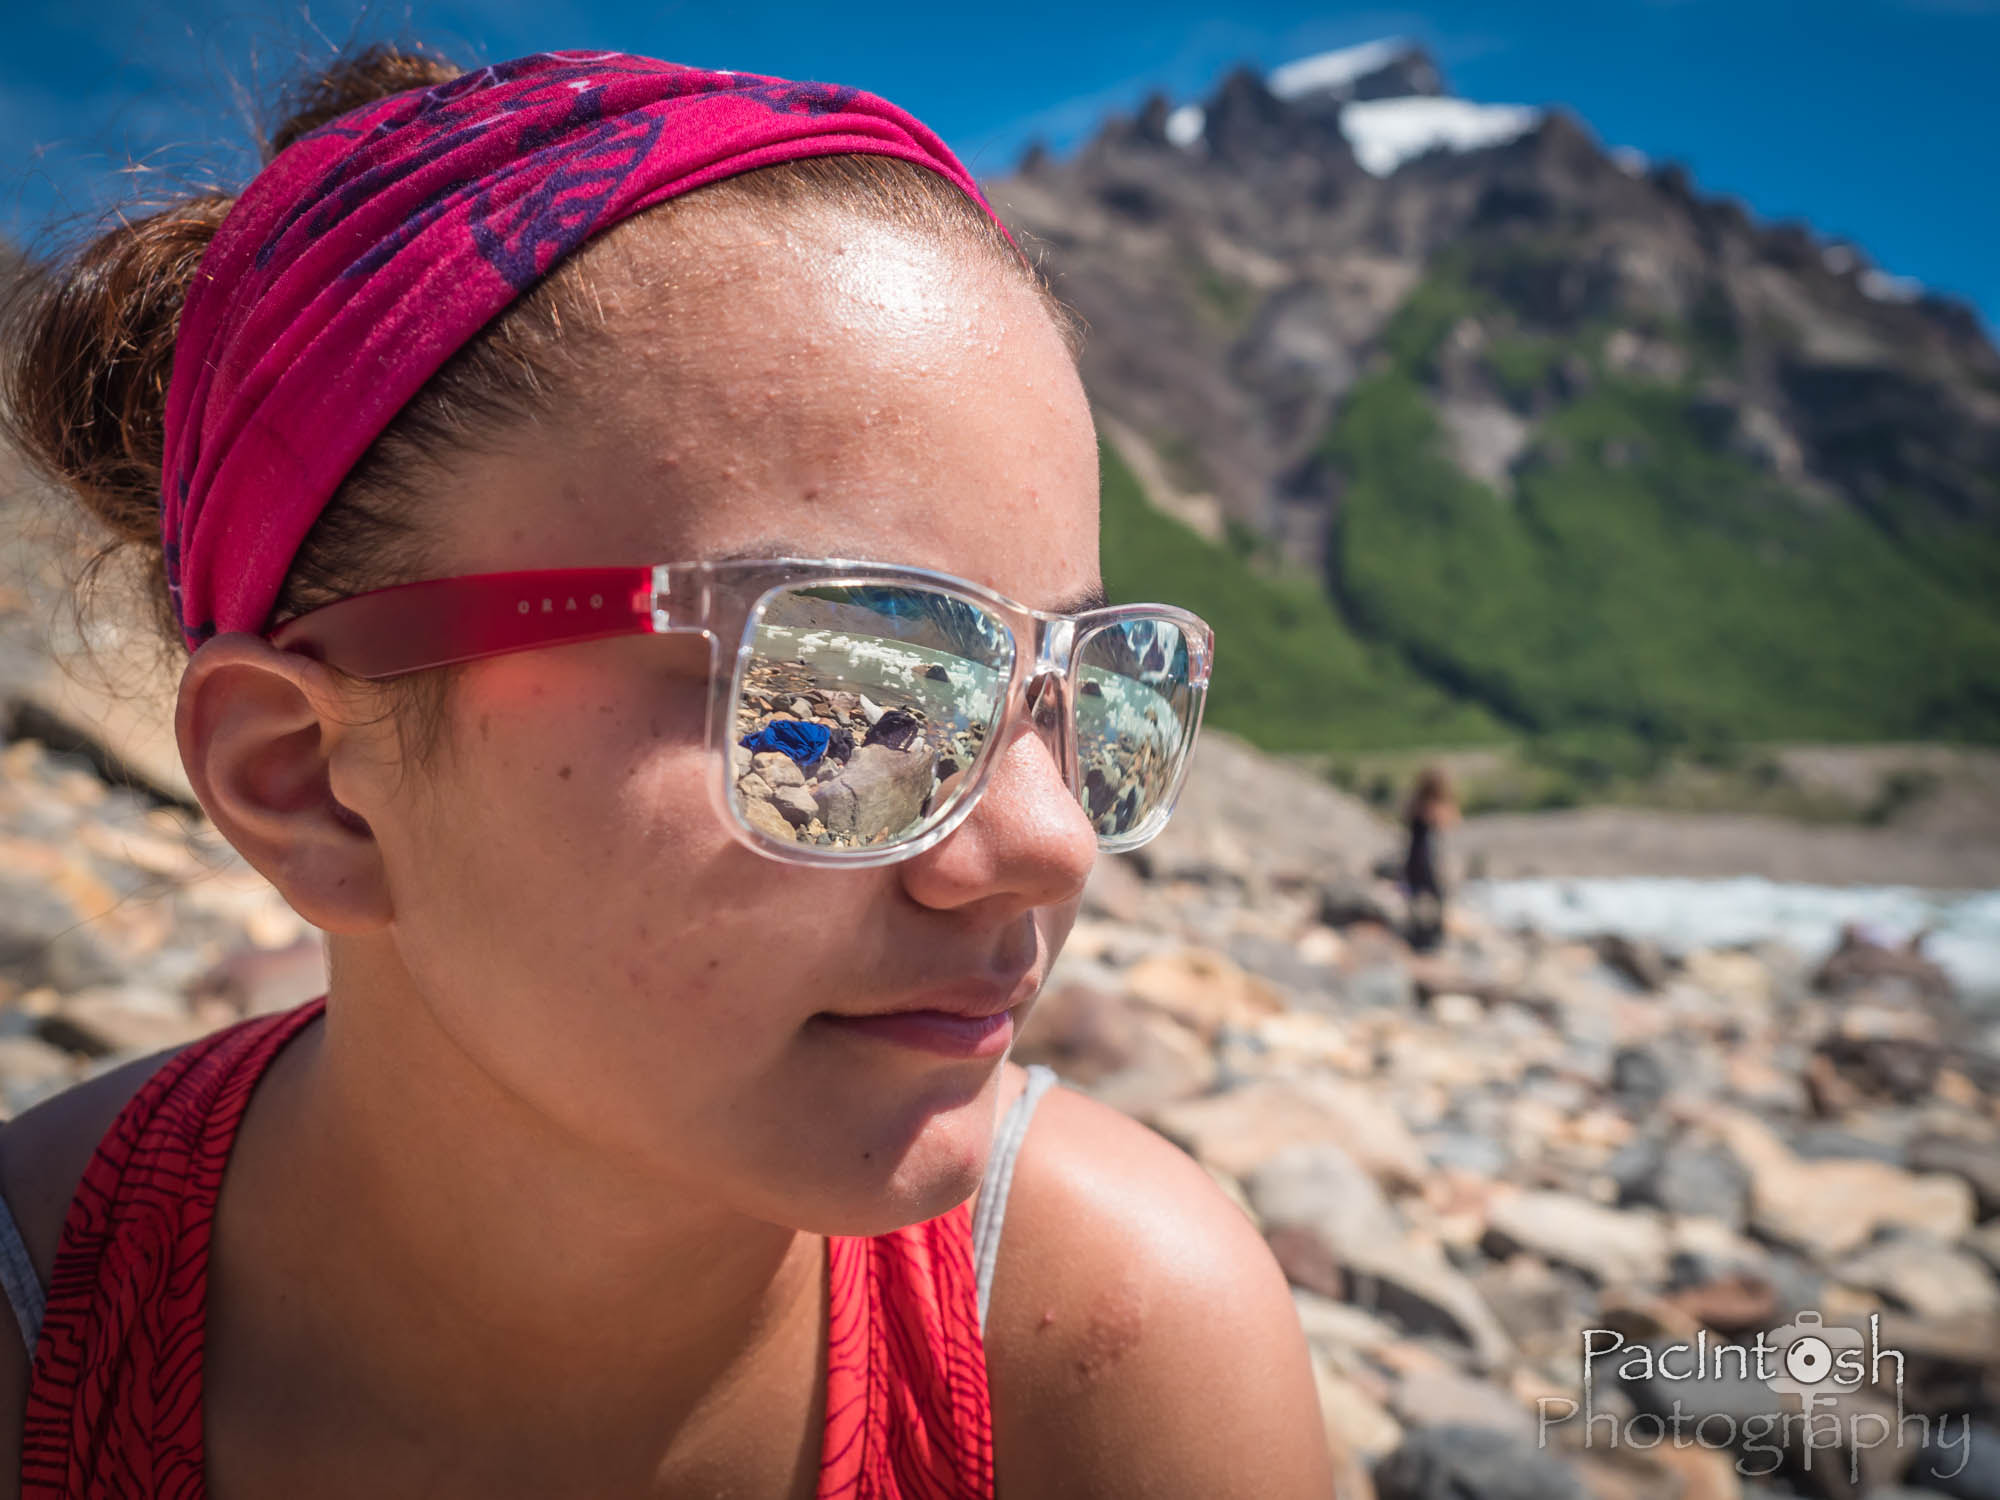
<point x="1133" y="707"/>
<point x="861" y="710"/>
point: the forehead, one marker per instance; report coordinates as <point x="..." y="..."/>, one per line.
<point x="824" y="387"/>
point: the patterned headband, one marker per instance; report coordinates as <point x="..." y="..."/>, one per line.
<point x="371" y="250"/>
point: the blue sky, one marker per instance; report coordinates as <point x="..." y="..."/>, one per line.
<point x="1872" y="119"/>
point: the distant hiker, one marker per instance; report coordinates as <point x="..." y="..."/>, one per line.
<point x="1432" y="808"/>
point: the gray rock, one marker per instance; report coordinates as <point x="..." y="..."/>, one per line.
<point x="1320" y="1192"/>
<point x="1532" y="1298"/>
<point x="124" y="1021"/>
<point x="43" y="939"/>
<point x="762" y="816"/>
<point x="1966" y="1465"/>
<point x="1473" y="1463"/>
<point x="1831" y="1143"/>
<point x="880" y="790"/>
<point x="1386" y="986"/>
<point x="30" y="1071"/>
<point x="1639" y="1078"/>
<point x="796" y="804"/>
<point x="1441" y="1397"/>
<point x="777" y="768"/>
<point x="1616" y="1247"/>
<point x="1482" y="1155"/>
<point x="1978" y="1162"/>
<point x="1984" y="1242"/>
<point x="1279" y="962"/>
<point x="1638" y="960"/>
<point x="1345" y="902"/>
<point x="1930" y="1280"/>
<point x="1691" y="1178"/>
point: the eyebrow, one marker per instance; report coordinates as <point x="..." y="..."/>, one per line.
<point x="1091" y="598"/>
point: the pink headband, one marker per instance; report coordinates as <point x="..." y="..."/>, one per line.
<point x="363" y="257"/>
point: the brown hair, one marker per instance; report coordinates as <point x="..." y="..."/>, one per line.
<point x="1431" y="791"/>
<point x="89" y="348"/>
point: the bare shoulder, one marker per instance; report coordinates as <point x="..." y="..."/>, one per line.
<point x="1141" y="1339"/>
<point x="42" y="1157"/>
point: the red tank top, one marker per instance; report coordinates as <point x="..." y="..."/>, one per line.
<point x="115" y="1396"/>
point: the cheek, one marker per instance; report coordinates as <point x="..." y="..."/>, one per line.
<point x="570" y="817"/>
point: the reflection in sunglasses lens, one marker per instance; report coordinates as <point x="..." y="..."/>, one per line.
<point x="861" y="710"/>
<point x="1133" y="706"/>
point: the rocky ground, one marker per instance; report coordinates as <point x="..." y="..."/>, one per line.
<point x="1464" y="1159"/>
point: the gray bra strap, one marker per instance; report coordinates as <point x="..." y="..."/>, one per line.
<point x="17" y="1274"/>
<point x="999" y="1179"/>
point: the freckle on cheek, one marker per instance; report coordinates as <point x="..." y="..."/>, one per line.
<point x="564" y="773"/>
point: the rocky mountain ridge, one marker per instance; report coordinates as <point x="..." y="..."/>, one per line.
<point x="1261" y="302"/>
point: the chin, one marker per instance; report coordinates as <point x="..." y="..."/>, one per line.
<point x="927" y="1173"/>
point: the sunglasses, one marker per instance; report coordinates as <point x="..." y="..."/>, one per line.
<point x="856" y="723"/>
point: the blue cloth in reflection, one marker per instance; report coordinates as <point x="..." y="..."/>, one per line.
<point x="804" y="743"/>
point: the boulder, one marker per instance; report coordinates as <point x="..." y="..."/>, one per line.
<point x="1639" y="1078"/>
<point x="1115" y="890"/>
<point x="1918" y="1276"/>
<point x="1439" y="1395"/>
<point x="796" y="804"/>
<point x="881" y="790"/>
<point x="1828" y="1209"/>
<point x="1639" y="960"/>
<point x="1115" y="1050"/>
<point x="1239" y="1130"/>
<point x="30" y="1071"/>
<point x="1612" y="1246"/>
<point x="1461" y="1463"/>
<point x="1203" y="991"/>
<point x="129" y="1019"/>
<point x="1319" y="1191"/>
<point x="1976" y="1162"/>
<point x="1358" y="1429"/>
<point x="1688" y="1177"/>
<point x="765" y="818"/>
<point x="1340" y="1331"/>
<point x="777" y="769"/>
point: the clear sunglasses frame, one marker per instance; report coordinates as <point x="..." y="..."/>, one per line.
<point x="391" y="632"/>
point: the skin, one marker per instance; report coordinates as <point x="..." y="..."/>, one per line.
<point x="557" y="1165"/>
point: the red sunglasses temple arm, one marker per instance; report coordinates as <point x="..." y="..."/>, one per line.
<point x="413" y="626"/>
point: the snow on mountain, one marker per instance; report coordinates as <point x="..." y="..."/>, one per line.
<point x="1184" y="125"/>
<point x="1886" y="286"/>
<point x="1330" y="72"/>
<point x="1385" y="133"/>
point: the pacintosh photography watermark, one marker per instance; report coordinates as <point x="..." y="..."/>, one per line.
<point x="1806" y="1360"/>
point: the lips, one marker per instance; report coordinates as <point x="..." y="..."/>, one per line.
<point x="934" y="1031"/>
<point x="966" y="1020"/>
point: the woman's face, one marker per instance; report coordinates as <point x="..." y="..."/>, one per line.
<point x="567" y="903"/>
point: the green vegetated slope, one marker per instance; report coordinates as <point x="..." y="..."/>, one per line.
<point x="1289" y="674"/>
<point x="1641" y="578"/>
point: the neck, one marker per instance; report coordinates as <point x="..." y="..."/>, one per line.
<point x="468" y="1258"/>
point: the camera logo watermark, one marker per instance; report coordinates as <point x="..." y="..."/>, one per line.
<point x="1806" y="1362"/>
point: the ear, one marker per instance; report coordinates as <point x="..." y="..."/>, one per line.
<point x="266" y="735"/>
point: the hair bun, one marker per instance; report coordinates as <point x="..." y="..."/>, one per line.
<point x="373" y="73"/>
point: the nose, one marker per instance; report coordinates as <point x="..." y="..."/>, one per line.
<point x="1026" y="843"/>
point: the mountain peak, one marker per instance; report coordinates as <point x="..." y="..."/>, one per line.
<point x="1386" y="69"/>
